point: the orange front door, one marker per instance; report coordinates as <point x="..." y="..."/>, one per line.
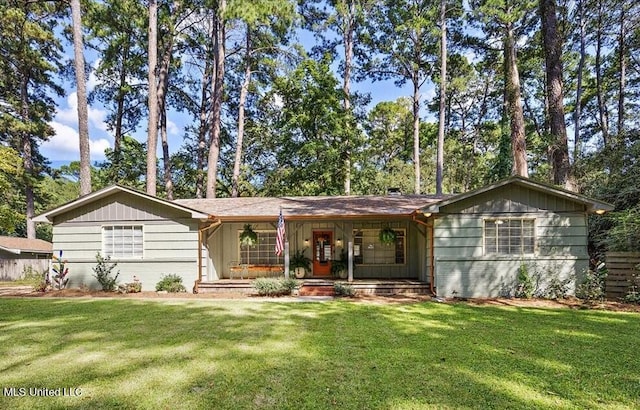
<point x="323" y="242"/>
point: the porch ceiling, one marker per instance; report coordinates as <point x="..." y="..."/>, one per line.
<point x="316" y="207"/>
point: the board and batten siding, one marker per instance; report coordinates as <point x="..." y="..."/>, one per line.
<point x="461" y="267"/>
<point x="170" y="241"/>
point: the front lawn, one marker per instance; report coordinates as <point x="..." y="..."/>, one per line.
<point x="123" y="353"/>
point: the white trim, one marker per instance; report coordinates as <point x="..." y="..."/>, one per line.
<point x="123" y="258"/>
<point x="528" y="254"/>
<point x="591" y="204"/>
<point x="103" y="193"/>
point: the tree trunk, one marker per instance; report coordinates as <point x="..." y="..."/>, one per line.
<point x="27" y="158"/>
<point x="516" y="116"/>
<point x="552" y="52"/>
<point x="244" y="91"/>
<point x="577" y="143"/>
<point x="120" y="107"/>
<point x="346" y="90"/>
<point x="602" y="107"/>
<point x="416" y="134"/>
<point x="83" y="117"/>
<point x="443" y="100"/>
<point x="202" y="131"/>
<point x="622" y="62"/>
<point x="163" y="86"/>
<point x="152" y="139"/>
<point x="217" y="94"/>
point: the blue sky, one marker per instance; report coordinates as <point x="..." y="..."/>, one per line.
<point x="64" y="146"/>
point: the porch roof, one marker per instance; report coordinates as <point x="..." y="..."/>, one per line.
<point x="310" y="207"/>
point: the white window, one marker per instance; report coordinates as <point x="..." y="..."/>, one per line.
<point x="509" y="236"/>
<point x="263" y="252"/>
<point x="368" y="250"/>
<point x="122" y="241"/>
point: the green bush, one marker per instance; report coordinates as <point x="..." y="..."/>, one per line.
<point x="171" y="283"/>
<point x="275" y="287"/>
<point x="525" y="286"/>
<point x="558" y="288"/>
<point x="593" y="285"/>
<point x="131" y="287"/>
<point x="343" y="289"/>
<point x="35" y="279"/>
<point x="103" y="271"/>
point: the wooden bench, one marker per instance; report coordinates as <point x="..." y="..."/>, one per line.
<point x="246" y="271"/>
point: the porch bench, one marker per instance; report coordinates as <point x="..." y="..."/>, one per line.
<point x="246" y="271"/>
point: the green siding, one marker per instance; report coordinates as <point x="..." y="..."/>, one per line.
<point x="170" y="240"/>
<point x="463" y="270"/>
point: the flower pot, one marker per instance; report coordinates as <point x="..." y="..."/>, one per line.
<point x="299" y="272"/>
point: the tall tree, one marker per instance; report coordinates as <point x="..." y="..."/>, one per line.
<point x="266" y="26"/>
<point x="506" y="21"/>
<point x="29" y="58"/>
<point x="83" y="117"/>
<point x="558" y="147"/>
<point x="120" y="71"/>
<point x="217" y="94"/>
<point x="341" y="24"/>
<point x="443" y="97"/>
<point x="577" y="123"/>
<point x="402" y="33"/>
<point x="152" y="139"/>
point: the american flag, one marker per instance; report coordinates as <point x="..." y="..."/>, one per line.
<point x="280" y="235"/>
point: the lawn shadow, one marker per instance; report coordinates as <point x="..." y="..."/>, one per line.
<point x="234" y="354"/>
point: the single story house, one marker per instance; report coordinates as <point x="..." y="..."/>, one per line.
<point x="467" y="245"/>
<point x="18" y="255"/>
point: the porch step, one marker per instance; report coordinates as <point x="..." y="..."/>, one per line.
<point x="401" y="287"/>
<point x="227" y="286"/>
<point x="316" y="290"/>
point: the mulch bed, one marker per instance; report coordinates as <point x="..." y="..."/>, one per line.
<point x="569" y="303"/>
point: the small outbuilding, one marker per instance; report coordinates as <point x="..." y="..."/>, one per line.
<point x="18" y="255"/>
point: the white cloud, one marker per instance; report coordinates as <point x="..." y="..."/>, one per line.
<point x="64" y="145"/>
<point x="70" y="115"/>
<point x="172" y="128"/>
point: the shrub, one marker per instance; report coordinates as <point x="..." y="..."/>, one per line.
<point x="290" y="285"/>
<point x="525" y="286"/>
<point x="592" y="286"/>
<point x="343" y="289"/>
<point x="131" y="287"/>
<point x="39" y="281"/>
<point x="103" y="271"/>
<point x="275" y="287"/>
<point x="633" y="293"/>
<point x="558" y="288"/>
<point x="171" y="283"/>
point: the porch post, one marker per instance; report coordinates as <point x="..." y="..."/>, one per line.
<point x="286" y="259"/>
<point x="350" y="262"/>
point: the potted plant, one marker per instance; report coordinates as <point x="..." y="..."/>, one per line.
<point x="340" y="267"/>
<point x="248" y="237"/>
<point x="387" y="236"/>
<point x="300" y="264"/>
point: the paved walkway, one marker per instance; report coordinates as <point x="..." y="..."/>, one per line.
<point x="15" y="290"/>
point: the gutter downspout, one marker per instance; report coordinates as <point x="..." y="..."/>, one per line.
<point x="200" y="233"/>
<point x="430" y="232"/>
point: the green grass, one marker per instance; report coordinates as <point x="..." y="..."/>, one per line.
<point x="243" y="354"/>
